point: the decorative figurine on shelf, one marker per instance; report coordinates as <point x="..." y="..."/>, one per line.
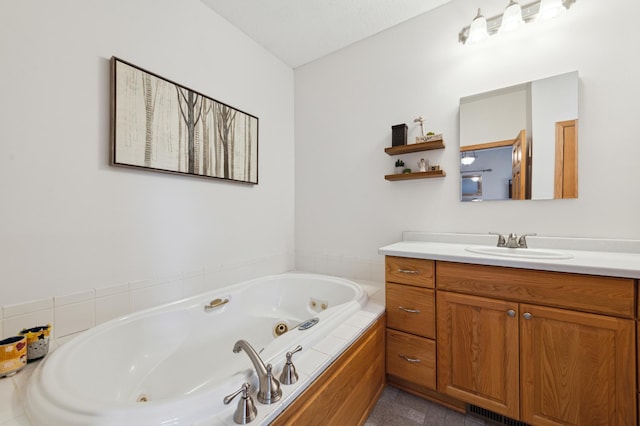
<point x="399" y="167"/>
<point x="421" y="121"/>
<point x="422" y="165"/>
<point x="429" y="136"/>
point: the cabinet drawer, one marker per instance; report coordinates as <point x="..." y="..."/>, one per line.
<point x="404" y="270"/>
<point x="411" y="358"/>
<point x="410" y="309"/>
<point x="590" y="293"/>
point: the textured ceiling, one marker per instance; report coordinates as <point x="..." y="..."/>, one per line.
<point x="300" y="31"/>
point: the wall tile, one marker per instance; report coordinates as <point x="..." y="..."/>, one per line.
<point x="143" y="298"/>
<point x="112" y="290"/>
<point x="168" y="292"/>
<point x="69" y="299"/>
<point x="1" y="328"/>
<point x="112" y="306"/>
<point x="362" y="269"/>
<point x="378" y="270"/>
<point x="14" y="324"/>
<point x="193" y="282"/>
<point x="138" y="284"/>
<point x="27" y="307"/>
<point x="75" y="317"/>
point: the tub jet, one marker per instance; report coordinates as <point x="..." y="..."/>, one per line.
<point x="280" y="328"/>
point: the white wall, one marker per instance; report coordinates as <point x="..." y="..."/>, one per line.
<point x="347" y="102"/>
<point x="69" y="221"/>
<point x="496" y="116"/>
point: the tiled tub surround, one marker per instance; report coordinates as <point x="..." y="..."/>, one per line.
<point x="309" y="365"/>
<point x="72" y="313"/>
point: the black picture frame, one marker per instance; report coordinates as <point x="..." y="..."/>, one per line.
<point x="160" y="125"/>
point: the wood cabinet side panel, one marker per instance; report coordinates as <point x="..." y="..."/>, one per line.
<point x="607" y="295"/>
<point x="347" y="391"/>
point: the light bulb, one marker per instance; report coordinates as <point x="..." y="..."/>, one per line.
<point x="550" y="9"/>
<point x="478" y="29"/>
<point x="512" y="18"/>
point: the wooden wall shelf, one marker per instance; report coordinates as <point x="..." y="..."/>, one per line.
<point x="416" y="175"/>
<point x="415" y="147"/>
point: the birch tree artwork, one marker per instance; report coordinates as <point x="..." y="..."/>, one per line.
<point x="163" y="126"/>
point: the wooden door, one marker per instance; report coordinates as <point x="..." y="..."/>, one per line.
<point x="576" y="368"/>
<point x="477" y="351"/>
<point x="519" y="166"/>
<point x="566" y="165"/>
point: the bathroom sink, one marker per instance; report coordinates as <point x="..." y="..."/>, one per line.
<point x="522" y="253"/>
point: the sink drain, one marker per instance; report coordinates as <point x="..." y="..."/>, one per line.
<point x="142" y="398"/>
<point x="280" y="328"/>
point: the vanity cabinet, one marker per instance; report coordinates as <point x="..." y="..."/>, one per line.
<point x="546" y="348"/>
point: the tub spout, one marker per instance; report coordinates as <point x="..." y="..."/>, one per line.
<point x="269" y="390"/>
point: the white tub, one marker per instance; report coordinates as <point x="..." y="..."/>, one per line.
<point x="180" y="357"/>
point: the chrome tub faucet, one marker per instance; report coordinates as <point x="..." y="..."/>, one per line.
<point x="269" y="389"/>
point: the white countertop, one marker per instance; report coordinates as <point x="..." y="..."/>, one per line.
<point x="588" y="256"/>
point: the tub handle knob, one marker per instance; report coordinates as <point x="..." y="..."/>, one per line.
<point x="246" y="411"/>
<point x="289" y="375"/>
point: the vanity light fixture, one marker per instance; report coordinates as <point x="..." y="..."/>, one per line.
<point x="468" y="158"/>
<point x="514" y="17"/>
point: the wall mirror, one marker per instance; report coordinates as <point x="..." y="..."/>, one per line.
<point x="521" y="141"/>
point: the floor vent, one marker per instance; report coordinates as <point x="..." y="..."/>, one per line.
<point x="492" y="417"/>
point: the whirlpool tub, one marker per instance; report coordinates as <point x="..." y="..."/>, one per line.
<point x="173" y="365"/>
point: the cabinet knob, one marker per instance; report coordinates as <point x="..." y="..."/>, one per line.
<point x="527" y="316"/>
<point x="511" y="313"/>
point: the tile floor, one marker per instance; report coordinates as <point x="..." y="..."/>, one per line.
<point x="398" y="408"/>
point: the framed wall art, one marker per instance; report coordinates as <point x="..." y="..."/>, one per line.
<point x="160" y="125"/>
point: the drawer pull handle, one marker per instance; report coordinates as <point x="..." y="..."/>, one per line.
<point x="408" y="271"/>
<point x="411" y="360"/>
<point x="411" y="311"/>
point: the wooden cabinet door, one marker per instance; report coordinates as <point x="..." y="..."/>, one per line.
<point x="477" y="351"/>
<point x="576" y="368"/>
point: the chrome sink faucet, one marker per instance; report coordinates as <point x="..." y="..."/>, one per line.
<point x="269" y="389"/>
<point x="512" y="241"/>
